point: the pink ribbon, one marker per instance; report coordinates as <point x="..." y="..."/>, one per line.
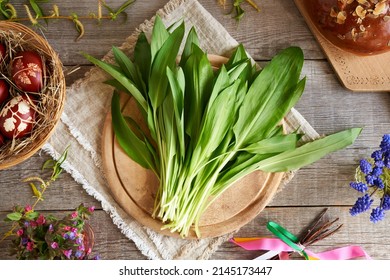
<point x="277" y="246"/>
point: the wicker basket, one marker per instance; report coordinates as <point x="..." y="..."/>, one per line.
<point x="51" y="99"/>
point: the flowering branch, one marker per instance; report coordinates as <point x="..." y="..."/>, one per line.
<point x="46" y="237"/>
<point x="237" y="8"/>
<point x="35" y="13"/>
<point x="55" y="165"/>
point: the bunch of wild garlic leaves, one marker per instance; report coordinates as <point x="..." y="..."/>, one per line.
<point x="208" y="129"/>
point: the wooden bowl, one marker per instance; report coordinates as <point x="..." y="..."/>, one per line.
<point x="49" y="101"/>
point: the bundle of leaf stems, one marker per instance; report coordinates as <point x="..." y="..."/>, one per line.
<point x="206" y="129"/>
<point x="318" y="230"/>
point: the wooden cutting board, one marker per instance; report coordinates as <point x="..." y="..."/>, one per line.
<point x="356" y="73"/>
<point x="134" y="188"/>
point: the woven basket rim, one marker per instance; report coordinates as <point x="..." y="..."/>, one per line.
<point x="36" y="41"/>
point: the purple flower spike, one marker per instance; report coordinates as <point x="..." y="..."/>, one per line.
<point x="359" y="186"/>
<point x="379" y="183"/>
<point x="377" y="155"/>
<point x="377" y="171"/>
<point x="365" y="166"/>
<point x="362" y="204"/>
<point x="377" y="215"/>
<point x="370" y="179"/>
<point x="385" y="144"/>
<point x="386" y="202"/>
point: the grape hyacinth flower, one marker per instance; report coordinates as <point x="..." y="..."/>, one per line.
<point x="362" y="204"/>
<point x="373" y="178"/>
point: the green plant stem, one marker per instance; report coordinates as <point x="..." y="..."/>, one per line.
<point x="58" y="17"/>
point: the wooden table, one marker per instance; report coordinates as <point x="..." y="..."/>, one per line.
<point x="326" y="105"/>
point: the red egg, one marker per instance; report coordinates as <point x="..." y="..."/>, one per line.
<point x="17" y="117"/>
<point x="2" y="52"/>
<point x="26" y="70"/>
<point x="2" y="140"/>
<point x="4" y="91"/>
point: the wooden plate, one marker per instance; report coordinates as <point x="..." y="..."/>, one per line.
<point x="356" y="73"/>
<point x="134" y="188"/>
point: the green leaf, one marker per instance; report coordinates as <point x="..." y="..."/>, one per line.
<point x="239" y="70"/>
<point x="37" y="9"/>
<point x="15" y="216"/>
<point x="238" y="55"/>
<point x="243" y="164"/>
<point x="129" y="69"/>
<point x="272" y="119"/>
<point x="275" y="144"/>
<point x="177" y="85"/>
<point x="159" y="36"/>
<point x="142" y="135"/>
<point x="117" y="85"/>
<point x="309" y="152"/>
<point x="276" y="83"/>
<point x="199" y="78"/>
<point x="192" y="39"/>
<point x="35" y="191"/>
<point x="121" y="78"/>
<point x="127" y="139"/>
<point x="124" y="6"/>
<point x="143" y="58"/>
<point x="166" y="57"/>
<point x="214" y="127"/>
<point x="31" y="215"/>
<point x="7" y="10"/>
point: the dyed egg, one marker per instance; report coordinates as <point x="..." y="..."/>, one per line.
<point x="17" y="117"/>
<point x="26" y="70"/>
<point x="2" y="140"/>
<point x="4" y="91"/>
<point x="2" y="52"/>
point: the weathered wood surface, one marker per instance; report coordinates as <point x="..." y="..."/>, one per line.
<point x="326" y="105"/>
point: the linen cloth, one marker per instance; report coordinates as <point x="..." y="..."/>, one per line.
<point x="88" y="101"/>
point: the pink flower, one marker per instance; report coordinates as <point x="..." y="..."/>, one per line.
<point x="20" y="232"/>
<point x="30" y="246"/>
<point x="41" y="220"/>
<point x="33" y="224"/>
<point x="74" y="215"/>
<point x="91" y="209"/>
<point x="28" y="208"/>
<point x="67" y="227"/>
<point x="54" y="245"/>
<point x="67" y="253"/>
<point x="74" y="229"/>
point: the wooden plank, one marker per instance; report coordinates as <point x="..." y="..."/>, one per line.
<point x="354" y="231"/>
<point x="325" y="104"/>
<point x="110" y="243"/>
<point x="261" y="34"/>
